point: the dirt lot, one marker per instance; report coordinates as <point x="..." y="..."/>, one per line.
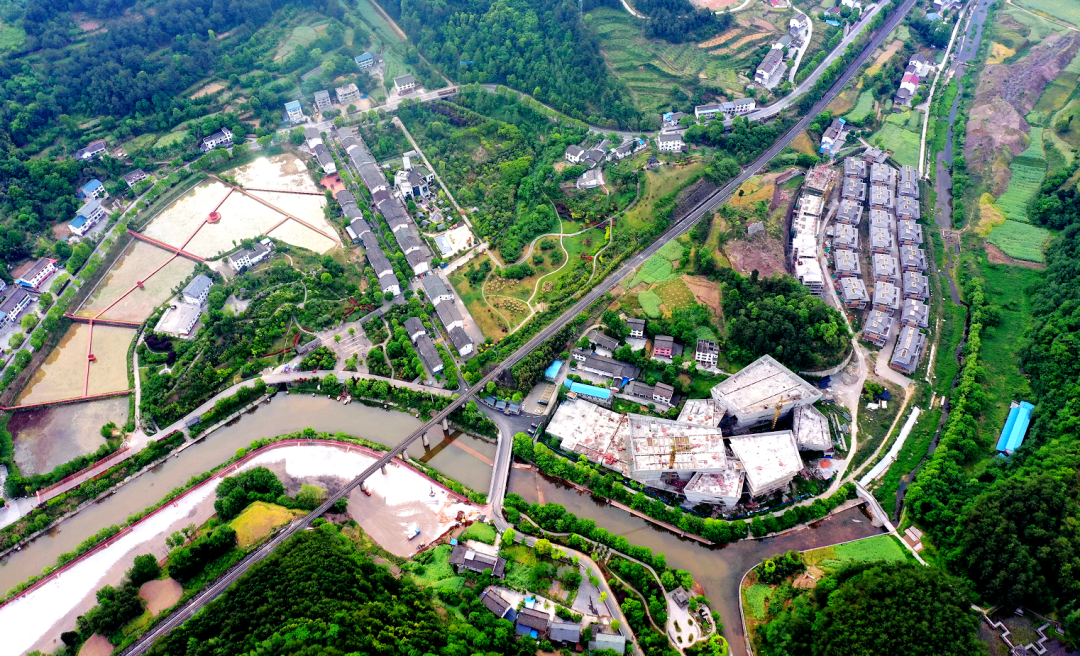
<point x="706" y="292"/>
<point x="97" y="645"/>
<point x="1005" y="94"/>
<point x="761" y="252"/>
<point x="160" y="595"/>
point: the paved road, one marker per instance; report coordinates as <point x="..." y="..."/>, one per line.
<point x="772" y="110"/>
<point x="503" y="454"/>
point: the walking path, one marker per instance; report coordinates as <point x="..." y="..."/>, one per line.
<point x="802" y="50"/>
<point x="930" y="96"/>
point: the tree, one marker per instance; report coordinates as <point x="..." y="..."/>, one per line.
<point x="234" y="493"/>
<point x="296" y="136"/>
<point x="614" y="325"/>
<point x="542" y="547"/>
<point x="507" y="538"/>
<point x="145" y="569"/>
<point x="310" y="496"/>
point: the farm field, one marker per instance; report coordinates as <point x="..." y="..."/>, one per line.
<point x="900" y="134"/>
<point x="658" y="183"/>
<point x="863" y="108"/>
<point x="48" y="437"/>
<point x="1065" y="11"/>
<point x="1028" y="172"/>
<point x="1022" y="241"/>
<point x="258" y="520"/>
<point x="170" y="139"/>
<point x="651" y="68"/>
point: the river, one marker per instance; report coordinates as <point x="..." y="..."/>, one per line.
<point x="284" y="414"/>
<point x="718" y="569"/>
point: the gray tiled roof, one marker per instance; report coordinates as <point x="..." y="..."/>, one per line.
<point x="907" y="231"/>
<point x="197" y="286"/>
<point x="414" y="326"/>
<point x="847" y="263"/>
<point x="845" y="235"/>
<point x="850" y="211"/>
<point x="886" y="295"/>
<point x="916" y="285"/>
<point x="885" y="267"/>
<point x="915" y="313"/>
<point x="912" y="257"/>
<point x="429" y="354"/>
<point x="855" y="167"/>
<point x="459" y="338"/>
<point x="907" y="207"/>
<point x="878" y="326"/>
<point x="853" y="188"/>
<point x="852" y="290"/>
<point x="881" y="239"/>
<point x="908" y="350"/>
<point x="883" y="173"/>
<point x="882" y="219"/>
<point x="882" y="196"/>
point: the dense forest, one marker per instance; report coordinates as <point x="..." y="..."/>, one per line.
<point x="779" y="317"/>
<point x="875" y="609"/>
<point x="540" y="47"/>
<point x="318" y="594"/>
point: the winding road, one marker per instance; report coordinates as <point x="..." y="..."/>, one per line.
<point x="504" y="455"/>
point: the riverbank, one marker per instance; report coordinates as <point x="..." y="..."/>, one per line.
<point x="37" y="616"/>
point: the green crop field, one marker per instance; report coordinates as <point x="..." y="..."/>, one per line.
<point x="672" y="251"/>
<point x="880" y="547"/>
<point x="675" y="294"/>
<point x="1028" y="172"/>
<point x="301" y="35"/>
<point x="863" y="108"/>
<point x="650" y="303"/>
<point x="901" y="135"/>
<point x="656" y="269"/>
<point x="1022" y="241"/>
<point x="1062" y="10"/>
<point x="171" y="138"/>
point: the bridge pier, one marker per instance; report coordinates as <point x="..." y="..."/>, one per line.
<point x="427" y="442"/>
<point x="384" y="469"/>
<point x="446" y="425"/>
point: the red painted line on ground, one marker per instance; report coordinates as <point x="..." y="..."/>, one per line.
<point x="287" y="191"/>
<point x="74" y="399"/>
<point x="276" y="209"/>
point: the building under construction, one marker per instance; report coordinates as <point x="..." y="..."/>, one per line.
<point x="761" y="393"/>
<point x="811" y="429"/>
<point x="770" y="460"/>
<point x="663" y="450"/>
<point x="593" y="431"/>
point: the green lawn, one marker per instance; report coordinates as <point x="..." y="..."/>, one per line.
<point x="438" y="570"/>
<point x="171" y="138"/>
<point x="1022" y="241"/>
<point x="879" y="547"/>
<point x="481" y="532"/>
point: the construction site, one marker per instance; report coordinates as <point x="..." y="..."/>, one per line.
<point x="709" y="451"/>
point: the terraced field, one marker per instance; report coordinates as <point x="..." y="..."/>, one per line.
<point x="1028" y="172"/>
<point x="651" y="68"/>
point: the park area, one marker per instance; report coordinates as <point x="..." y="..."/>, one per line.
<point x="139" y="260"/>
<point x="272" y="188"/>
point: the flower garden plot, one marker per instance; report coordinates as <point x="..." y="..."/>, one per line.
<point x="1022" y="241"/>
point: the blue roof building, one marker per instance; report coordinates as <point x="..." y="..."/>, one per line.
<point x="1019" y="429"/>
<point x="552" y="372"/>
<point x="1003" y="440"/>
<point x="366" y="60"/>
<point x="92" y="189"/>
<point x="591" y="391"/>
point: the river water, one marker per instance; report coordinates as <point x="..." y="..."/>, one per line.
<point x="284" y="414"/>
<point x="718" y="569"/>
